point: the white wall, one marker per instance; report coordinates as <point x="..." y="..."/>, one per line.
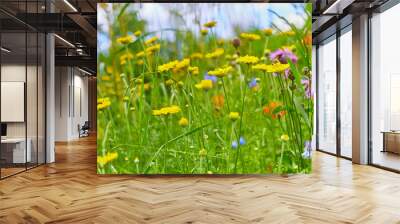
<point x="71" y="102"/>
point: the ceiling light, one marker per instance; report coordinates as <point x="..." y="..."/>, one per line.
<point x="84" y="71"/>
<point x="5" y="50"/>
<point x="64" y="40"/>
<point x="70" y="5"/>
<point x="332" y="7"/>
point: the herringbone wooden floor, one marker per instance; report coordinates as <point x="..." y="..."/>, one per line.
<point x="69" y="191"/>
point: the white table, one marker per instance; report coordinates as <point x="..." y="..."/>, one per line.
<point x="19" y="154"/>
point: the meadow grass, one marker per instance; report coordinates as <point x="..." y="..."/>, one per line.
<point x="199" y="105"/>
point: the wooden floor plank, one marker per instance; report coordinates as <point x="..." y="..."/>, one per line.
<point x="70" y="191"/>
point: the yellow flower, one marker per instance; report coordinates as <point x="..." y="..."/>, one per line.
<point x="204" y="84"/>
<point x="103" y="103"/>
<point x="196" y="56"/>
<point x="168" y="66"/>
<point x="268" y="31"/>
<point x="277" y="67"/>
<point x="125" y="39"/>
<point x="210" y="24"/>
<point x="167" y="110"/>
<point x="220" y="41"/>
<point x="288" y="33"/>
<point x="169" y="82"/>
<point x="203" y="152"/>
<point x="193" y="70"/>
<point x="140" y="54"/>
<point x="126" y="98"/>
<point x="247" y="59"/>
<point x="106" y="78"/>
<point x="220" y="72"/>
<point x="182" y="64"/>
<point x="151" y="40"/>
<point x="209" y="172"/>
<point x="103" y="160"/>
<point x="234" y="116"/>
<point x="204" y="32"/>
<point x="153" y="48"/>
<point x="125" y="57"/>
<point x="109" y="69"/>
<point x="140" y="62"/>
<point x="136" y="160"/>
<point x="218" y="52"/>
<point x="285" y="138"/>
<point x="183" y="122"/>
<point x="250" y="36"/>
<point x="137" y="33"/>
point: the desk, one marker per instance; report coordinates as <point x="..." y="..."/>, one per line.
<point x="17" y="150"/>
<point x="391" y="141"/>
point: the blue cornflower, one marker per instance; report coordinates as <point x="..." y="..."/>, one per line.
<point x="253" y="83"/>
<point x="210" y="77"/>
<point x="234" y="144"/>
<point x="242" y="141"/>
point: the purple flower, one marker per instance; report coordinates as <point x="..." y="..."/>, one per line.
<point x="210" y="77"/>
<point x="307" y="150"/>
<point x="306" y="82"/>
<point x="283" y="55"/>
<point x="253" y="83"/>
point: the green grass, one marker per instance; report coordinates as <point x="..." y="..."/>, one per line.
<point x="131" y="140"/>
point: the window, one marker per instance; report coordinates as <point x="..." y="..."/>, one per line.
<point x="327" y="96"/>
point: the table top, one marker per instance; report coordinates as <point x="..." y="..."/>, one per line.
<point x="391" y="132"/>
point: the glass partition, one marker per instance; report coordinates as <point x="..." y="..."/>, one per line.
<point x="346" y="93"/>
<point x="327" y="96"/>
<point x="22" y="77"/>
<point x="385" y="89"/>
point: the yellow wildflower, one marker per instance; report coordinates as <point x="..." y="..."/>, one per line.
<point x="126" y="98"/>
<point x="106" y="78"/>
<point x="220" y="72"/>
<point x="234" y="116"/>
<point x="103" y="103"/>
<point x="268" y="31"/>
<point x="103" y="160"/>
<point x="250" y="36"/>
<point x="193" y="70"/>
<point x="203" y="152"/>
<point x="167" y="110"/>
<point x="182" y="64"/>
<point x="183" y="122"/>
<point x="140" y="54"/>
<point x="210" y="24"/>
<point x="277" y="67"/>
<point x="168" y="66"/>
<point x="137" y="33"/>
<point x="169" y="82"/>
<point x="205" y="84"/>
<point x="140" y="62"/>
<point x="153" y="48"/>
<point x="125" y="39"/>
<point x="196" y="56"/>
<point x="285" y="138"/>
<point x="151" y="40"/>
<point x="247" y="59"/>
<point x="218" y="52"/>
<point x="204" y="32"/>
<point x="220" y="41"/>
<point x="109" y="69"/>
<point x="125" y="57"/>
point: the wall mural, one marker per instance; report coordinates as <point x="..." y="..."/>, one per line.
<point x="205" y="88"/>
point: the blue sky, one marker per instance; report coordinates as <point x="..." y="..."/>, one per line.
<point x="227" y="15"/>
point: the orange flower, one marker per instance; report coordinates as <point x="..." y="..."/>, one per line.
<point x="218" y="101"/>
<point x="270" y="108"/>
<point x="307" y="40"/>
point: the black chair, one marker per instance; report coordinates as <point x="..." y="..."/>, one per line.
<point x="84" y="130"/>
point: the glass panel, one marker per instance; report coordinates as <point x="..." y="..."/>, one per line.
<point x="385" y="86"/>
<point x="31" y="97"/>
<point x="13" y="86"/>
<point x="41" y="98"/>
<point x="327" y="96"/>
<point x="346" y="94"/>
